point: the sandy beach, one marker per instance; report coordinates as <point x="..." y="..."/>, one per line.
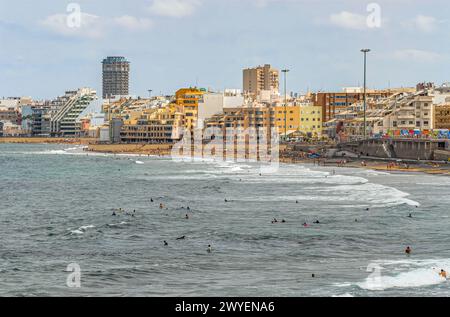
<point x="143" y="149"/>
<point x="377" y="165"/>
<point x="290" y="157"/>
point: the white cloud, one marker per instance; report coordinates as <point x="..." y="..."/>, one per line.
<point x="133" y="23"/>
<point x="89" y="25"/>
<point x="92" y="26"/>
<point x="416" y="55"/>
<point x="422" y="23"/>
<point x="174" y="8"/>
<point x="349" y="20"/>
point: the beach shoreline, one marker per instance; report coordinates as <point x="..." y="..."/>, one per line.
<point x="46" y="140"/>
<point x="165" y="150"/>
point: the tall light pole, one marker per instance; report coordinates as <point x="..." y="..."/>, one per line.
<point x="150" y="93"/>
<point x="285" y="71"/>
<point x="365" y="51"/>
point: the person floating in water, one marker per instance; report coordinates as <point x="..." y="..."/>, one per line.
<point x="274" y="220"/>
<point x="317" y="222"/>
<point x="283" y="221"/>
<point x="209" y="250"/>
<point x="305" y="225"/>
<point x="187" y="216"/>
<point x="443" y="274"/>
<point x="161" y="206"/>
<point x="151" y="199"/>
<point x="408" y="250"/>
<point x="114" y="213"/>
<point x="410" y="216"/>
<point x="181" y="238"/>
<point x="188" y="208"/>
<point x="226" y="200"/>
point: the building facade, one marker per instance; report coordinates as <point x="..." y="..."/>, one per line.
<point x="333" y="103"/>
<point x="287" y="123"/>
<point x="161" y="125"/>
<point x="64" y="121"/>
<point x="259" y="79"/>
<point x="442" y="116"/>
<point x="116" y="76"/>
<point x="311" y="123"/>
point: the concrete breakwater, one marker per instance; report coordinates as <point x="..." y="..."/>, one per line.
<point x="409" y="149"/>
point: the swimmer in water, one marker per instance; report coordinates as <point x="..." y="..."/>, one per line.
<point x="114" y="213"/>
<point x="181" y="238"/>
<point x="283" y="221"/>
<point x="274" y="220"/>
<point x="188" y="208"/>
<point x="317" y="222"/>
<point x="305" y="225"/>
<point x="443" y="274"/>
<point x="165" y="243"/>
<point x="151" y="199"/>
<point x="161" y="206"/>
<point x="187" y="216"/>
<point x="209" y="250"/>
<point x="226" y="200"/>
<point x="408" y="250"/>
<point x="410" y="216"/>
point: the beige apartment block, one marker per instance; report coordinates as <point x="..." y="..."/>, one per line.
<point x="261" y="78"/>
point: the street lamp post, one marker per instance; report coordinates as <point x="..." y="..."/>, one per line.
<point x="285" y="71"/>
<point x="150" y="93"/>
<point x="365" y="51"/>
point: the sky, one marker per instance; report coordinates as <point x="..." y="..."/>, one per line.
<point x="50" y="46"/>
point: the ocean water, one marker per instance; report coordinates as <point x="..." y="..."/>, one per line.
<point x="57" y="202"/>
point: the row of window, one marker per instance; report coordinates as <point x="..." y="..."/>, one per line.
<point x="418" y="123"/>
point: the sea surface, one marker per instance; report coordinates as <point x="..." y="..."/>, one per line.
<point x="57" y="204"/>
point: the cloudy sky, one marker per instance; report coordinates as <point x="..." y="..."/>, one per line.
<point x="45" y="49"/>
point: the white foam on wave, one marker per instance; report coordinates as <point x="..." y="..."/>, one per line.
<point x="140" y="162"/>
<point x="123" y="223"/>
<point x="405" y="274"/>
<point x="84" y="228"/>
<point x="373" y="194"/>
<point x="81" y="230"/>
<point x="309" y="177"/>
<point x="77" y="232"/>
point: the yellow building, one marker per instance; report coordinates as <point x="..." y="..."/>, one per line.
<point x="162" y="125"/>
<point x="311" y="121"/>
<point x="188" y="99"/>
<point x="292" y="118"/>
